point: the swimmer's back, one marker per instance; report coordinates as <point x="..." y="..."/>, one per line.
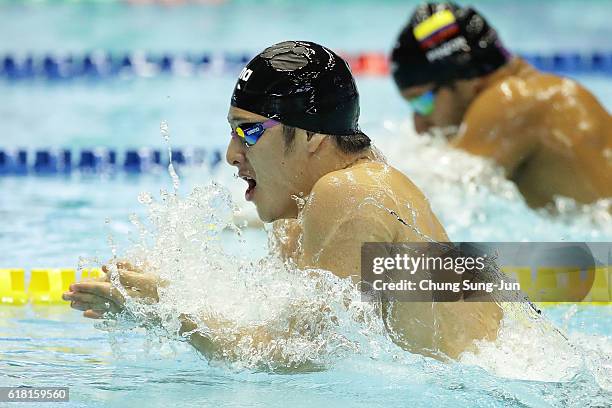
<point x="573" y="157"/>
<point x="550" y="134"/>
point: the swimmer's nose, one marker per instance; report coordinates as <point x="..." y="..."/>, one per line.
<point x="235" y="154"/>
<point x="421" y="124"/>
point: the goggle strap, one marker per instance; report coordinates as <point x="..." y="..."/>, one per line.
<point x="270" y="123"/>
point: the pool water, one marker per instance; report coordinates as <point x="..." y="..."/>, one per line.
<point x="54" y="346"/>
<point x="52" y="221"/>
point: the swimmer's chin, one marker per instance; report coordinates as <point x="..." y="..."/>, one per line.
<point x="266" y="217"/>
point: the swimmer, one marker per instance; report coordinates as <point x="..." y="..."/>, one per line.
<point x="551" y="136"/>
<point x="309" y="169"/>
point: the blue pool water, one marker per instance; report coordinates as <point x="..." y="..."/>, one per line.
<point x="51" y="346"/>
<point x="52" y="221"/>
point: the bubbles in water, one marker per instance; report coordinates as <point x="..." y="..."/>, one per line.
<point x="527" y="347"/>
<point x="165" y="132"/>
<point x="264" y="313"/>
<point x="145" y="198"/>
<point x="261" y="313"/>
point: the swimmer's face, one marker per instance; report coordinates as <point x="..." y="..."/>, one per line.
<point x="450" y="104"/>
<point x="273" y="173"/>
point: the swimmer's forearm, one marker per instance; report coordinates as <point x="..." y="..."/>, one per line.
<point x="205" y="345"/>
<point x="199" y="341"/>
<point x="258" y="336"/>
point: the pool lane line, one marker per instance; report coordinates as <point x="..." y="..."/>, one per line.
<point x="46" y="286"/>
<point x="99" y="65"/>
<point x="20" y="161"/>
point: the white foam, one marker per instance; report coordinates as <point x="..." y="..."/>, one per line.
<point x="474" y="200"/>
<point x="312" y="317"/>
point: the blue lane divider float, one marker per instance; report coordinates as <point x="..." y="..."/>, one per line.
<point x="99" y="65"/>
<point x="101" y="160"/>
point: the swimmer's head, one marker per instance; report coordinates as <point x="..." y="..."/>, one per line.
<point x="292" y="101"/>
<point x="438" y="58"/>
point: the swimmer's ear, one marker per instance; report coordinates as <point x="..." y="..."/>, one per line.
<point x="313" y="141"/>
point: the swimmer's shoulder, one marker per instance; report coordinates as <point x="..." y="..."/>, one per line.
<point x="376" y="191"/>
<point x="509" y="106"/>
<point x="565" y="102"/>
<point x="369" y="178"/>
<point x="547" y="89"/>
<point x="344" y="205"/>
<point x="514" y="94"/>
<point x="350" y="186"/>
<point x="362" y="191"/>
<point x="526" y="91"/>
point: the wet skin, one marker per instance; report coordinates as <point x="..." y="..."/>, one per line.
<point x="551" y="136"/>
<point x="348" y="199"/>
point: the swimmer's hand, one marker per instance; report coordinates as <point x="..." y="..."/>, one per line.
<point x="98" y="297"/>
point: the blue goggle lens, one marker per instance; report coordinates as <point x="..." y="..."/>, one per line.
<point x="251" y="132"/>
<point x="424" y="104"/>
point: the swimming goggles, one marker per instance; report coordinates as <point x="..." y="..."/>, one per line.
<point x="423" y="104"/>
<point x="251" y="132"/>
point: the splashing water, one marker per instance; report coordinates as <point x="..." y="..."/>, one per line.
<point x="193" y="246"/>
<point x="474" y="200"/>
<point x="165" y="132"/>
<point x="312" y="319"/>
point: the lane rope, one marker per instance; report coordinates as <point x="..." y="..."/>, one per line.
<point x="46" y="286"/>
<point x="105" y="65"/>
<point x="101" y="160"/>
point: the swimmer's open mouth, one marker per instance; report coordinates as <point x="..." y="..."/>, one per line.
<point x="248" y="194"/>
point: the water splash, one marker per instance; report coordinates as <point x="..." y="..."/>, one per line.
<point x="308" y="318"/>
<point x="252" y="309"/>
<point x="187" y="243"/>
<point x="312" y="318"/>
<point x="474" y="200"/>
<point x="165" y="132"/>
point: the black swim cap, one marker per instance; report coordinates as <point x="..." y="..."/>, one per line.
<point x="300" y="84"/>
<point x="444" y="42"/>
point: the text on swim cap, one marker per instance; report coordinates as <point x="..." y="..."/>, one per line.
<point x="245" y="74"/>
<point x="447" y="49"/>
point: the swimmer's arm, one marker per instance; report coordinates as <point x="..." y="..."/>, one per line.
<point x="93" y="296"/>
<point x="500" y="125"/>
<point x="199" y="341"/>
<point x="256" y="338"/>
<point x="337" y="224"/>
<point x="99" y="299"/>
